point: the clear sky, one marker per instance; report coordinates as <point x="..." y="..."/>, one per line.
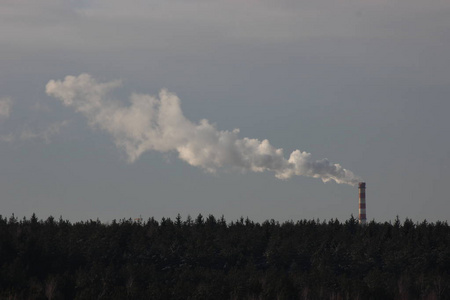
<point x="364" y="84"/>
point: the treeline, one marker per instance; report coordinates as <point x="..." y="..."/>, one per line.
<point x="208" y="258"/>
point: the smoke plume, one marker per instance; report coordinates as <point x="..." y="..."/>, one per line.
<point x="157" y="123"/>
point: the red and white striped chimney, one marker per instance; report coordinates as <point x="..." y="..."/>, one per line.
<point x="362" y="203"/>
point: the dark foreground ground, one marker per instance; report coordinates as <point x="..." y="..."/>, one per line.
<point x="208" y="258"/>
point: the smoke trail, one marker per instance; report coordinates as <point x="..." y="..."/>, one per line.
<point x="151" y="123"/>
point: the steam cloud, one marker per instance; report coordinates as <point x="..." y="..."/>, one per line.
<point x="151" y="123"/>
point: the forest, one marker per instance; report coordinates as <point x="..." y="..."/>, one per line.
<point x="210" y="258"/>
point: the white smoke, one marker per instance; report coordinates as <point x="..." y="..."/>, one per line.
<point x="151" y="123"/>
<point x="44" y="134"/>
<point x="27" y="133"/>
<point x="5" y="107"/>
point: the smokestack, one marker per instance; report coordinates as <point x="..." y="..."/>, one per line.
<point x="362" y="203"/>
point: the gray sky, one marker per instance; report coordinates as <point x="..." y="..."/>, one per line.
<point x="365" y="84"/>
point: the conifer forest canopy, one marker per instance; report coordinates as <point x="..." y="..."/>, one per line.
<point x="210" y="258"/>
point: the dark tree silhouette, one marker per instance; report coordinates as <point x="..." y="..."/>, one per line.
<point x="208" y="258"/>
